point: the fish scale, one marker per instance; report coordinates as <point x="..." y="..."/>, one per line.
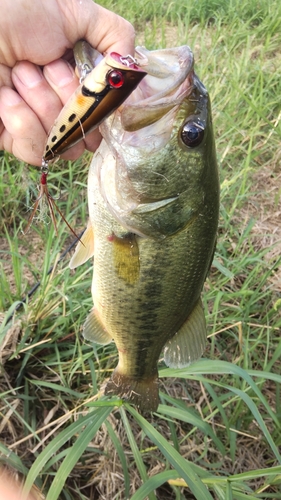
<point x="153" y="194"/>
<point x="151" y="312"/>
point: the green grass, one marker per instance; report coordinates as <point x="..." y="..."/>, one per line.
<point x="217" y="431"/>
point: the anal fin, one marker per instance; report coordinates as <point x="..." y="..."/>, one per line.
<point x="189" y="342"/>
<point x="84" y="249"/>
<point x="94" y="330"/>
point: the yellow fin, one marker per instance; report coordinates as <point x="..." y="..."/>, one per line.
<point x="126" y="257"/>
<point x="189" y="342"/>
<point x="94" y="330"/>
<point x="84" y="251"/>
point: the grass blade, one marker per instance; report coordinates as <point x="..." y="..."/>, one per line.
<point x="75" y="452"/>
<point x="183" y="467"/>
<point x="137" y="456"/>
<point x="121" y="454"/>
<point x="204" y="366"/>
<point x="154" y="482"/>
<point x="59" y="441"/>
<point x="186" y="416"/>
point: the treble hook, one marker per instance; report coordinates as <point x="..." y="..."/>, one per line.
<point x="44" y="192"/>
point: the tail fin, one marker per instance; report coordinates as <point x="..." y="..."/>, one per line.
<point x="141" y="392"/>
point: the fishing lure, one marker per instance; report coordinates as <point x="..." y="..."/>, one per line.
<point x="103" y="88"/>
<point x="105" y="83"/>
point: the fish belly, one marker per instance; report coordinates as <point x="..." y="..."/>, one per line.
<point x="143" y="291"/>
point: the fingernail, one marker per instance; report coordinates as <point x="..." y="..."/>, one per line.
<point x="10" y="97"/>
<point x="28" y="74"/>
<point x="59" y="72"/>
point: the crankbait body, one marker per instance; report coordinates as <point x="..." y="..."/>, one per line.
<point x="105" y="83"/>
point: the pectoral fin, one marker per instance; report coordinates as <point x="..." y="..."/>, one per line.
<point x="94" y="330"/>
<point x="189" y="342"/>
<point x="84" y="249"/>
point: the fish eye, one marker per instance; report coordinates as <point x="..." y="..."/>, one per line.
<point x="192" y="133"/>
<point x="115" y="78"/>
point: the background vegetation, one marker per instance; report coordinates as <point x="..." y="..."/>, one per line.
<point x="217" y="433"/>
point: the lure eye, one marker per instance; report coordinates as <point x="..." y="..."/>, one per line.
<point x="192" y="133"/>
<point x="115" y="79"/>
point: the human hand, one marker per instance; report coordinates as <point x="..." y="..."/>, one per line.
<point x="36" y="78"/>
<point x="11" y="486"/>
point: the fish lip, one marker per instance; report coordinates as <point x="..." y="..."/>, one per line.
<point x="182" y="54"/>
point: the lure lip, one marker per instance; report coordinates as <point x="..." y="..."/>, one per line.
<point x="92" y="102"/>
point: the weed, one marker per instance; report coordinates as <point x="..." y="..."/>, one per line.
<point x="217" y="431"/>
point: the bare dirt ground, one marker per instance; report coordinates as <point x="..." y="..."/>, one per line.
<point x="265" y="208"/>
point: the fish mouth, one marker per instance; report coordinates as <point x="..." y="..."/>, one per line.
<point x="140" y="129"/>
<point x="169" y="79"/>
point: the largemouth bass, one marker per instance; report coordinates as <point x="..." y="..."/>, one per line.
<point x="153" y="194"/>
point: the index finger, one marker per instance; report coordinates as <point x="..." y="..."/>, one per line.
<point x="103" y="29"/>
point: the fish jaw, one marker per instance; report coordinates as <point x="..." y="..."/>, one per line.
<point x="103" y="88"/>
<point x="143" y="126"/>
<point x="169" y="79"/>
